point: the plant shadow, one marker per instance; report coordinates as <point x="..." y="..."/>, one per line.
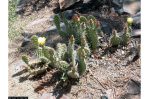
<point x="33" y="78"/>
<point x="24" y="78"/>
<point x="60" y="87"/>
<point x="19" y="73"/>
<point x="109" y="50"/>
<point x="55" y="77"/>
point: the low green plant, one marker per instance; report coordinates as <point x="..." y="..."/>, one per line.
<point x="115" y="40"/>
<point x="126" y="35"/>
<point x="73" y="72"/>
<point x="92" y="31"/>
<point x="79" y="25"/>
<point x="70" y="61"/>
<point x="127" y="31"/>
<point x="35" y="68"/>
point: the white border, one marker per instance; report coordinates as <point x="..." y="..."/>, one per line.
<point x="145" y="49"/>
<point x="4" y="49"/>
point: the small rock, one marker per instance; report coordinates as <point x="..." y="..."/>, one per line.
<point x="69" y="14"/>
<point x="67" y="3"/>
<point x="19" y="66"/>
<point x="137" y="21"/>
<point x="86" y="1"/>
<point x="132" y="7"/>
<point x="132" y="90"/>
<point x="105" y="27"/>
<point x="64" y="97"/>
<point x="25" y="42"/>
<point x="117" y="3"/>
<point x="110" y="93"/>
<point x="20" y="5"/>
<point x="53" y="28"/>
<point x="133" y="87"/>
<point x="123" y="52"/>
<point x="104" y="97"/>
<point x="136" y="33"/>
<point x="38" y="25"/>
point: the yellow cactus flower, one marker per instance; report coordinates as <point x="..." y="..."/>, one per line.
<point x="129" y="20"/>
<point x="41" y="41"/>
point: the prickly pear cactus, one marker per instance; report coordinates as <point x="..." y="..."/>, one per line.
<point x="34" y="40"/>
<point x="73" y="73"/>
<point x="49" y="53"/>
<point x="84" y="45"/>
<point x="63" y="65"/>
<point x="126" y="36"/>
<point x="82" y="66"/>
<point x="61" y="51"/>
<point x="81" y="61"/>
<point x="57" y="22"/>
<point x="71" y="52"/>
<point x="69" y="28"/>
<point x="83" y="19"/>
<point x="91" y="31"/>
<point x="44" y="60"/>
<point x="25" y="59"/>
<point x="39" y="52"/>
<point x="115" y="39"/>
<point x="71" y="46"/>
<point x="92" y="38"/>
<point x="91" y="17"/>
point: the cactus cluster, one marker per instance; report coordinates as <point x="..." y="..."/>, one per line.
<point x="127" y="32"/>
<point x="48" y="56"/>
<point x="75" y="56"/>
<point x="71" y="60"/>
<point x="73" y="66"/>
<point x="79" y="25"/>
<point x="116" y="40"/>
